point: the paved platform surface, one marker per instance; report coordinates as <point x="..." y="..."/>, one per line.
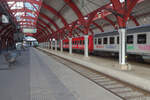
<point x="37" y="76"/>
<point x="138" y="76"/>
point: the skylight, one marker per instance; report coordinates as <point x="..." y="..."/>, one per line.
<point x="18" y="5"/>
<point x="26" y="12"/>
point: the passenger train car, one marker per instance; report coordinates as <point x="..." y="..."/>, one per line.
<point x="137" y="39"/>
<point x="78" y="43"/>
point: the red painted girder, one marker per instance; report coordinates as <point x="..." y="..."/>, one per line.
<point x="24" y="10"/>
<point x="28" y="17"/>
<point x="41" y="21"/>
<point x="12" y="5"/>
<point x="40" y="36"/>
<point x="50" y="20"/>
<point x="7" y="31"/>
<point x="98" y="26"/>
<point x="110" y="21"/>
<point x="105" y="13"/>
<point x="5" y="28"/>
<point x="135" y="21"/>
<point x="76" y="33"/>
<point x="93" y="14"/>
<point x="74" y="8"/>
<point x="130" y="4"/>
<point x="42" y="31"/>
<point x="123" y="10"/>
<point x="52" y="10"/>
<point x="44" y="28"/>
<point x="10" y="13"/>
<point x="80" y="30"/>
<point x="29" y="22"/>
<point x="30" y="1"/>
<point x="91" y="31"/>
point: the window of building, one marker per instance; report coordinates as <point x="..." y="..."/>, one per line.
<point x="111" y="40"/>
<point x="141" y="39"/>
<point x="130" y="39"/>
<point x="105" y="40"/>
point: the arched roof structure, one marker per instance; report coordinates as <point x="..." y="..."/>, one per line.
<point x="59" y="18"/>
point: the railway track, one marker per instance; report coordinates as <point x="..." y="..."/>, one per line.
<point x="121" y="89"/>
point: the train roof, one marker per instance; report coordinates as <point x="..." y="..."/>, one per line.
<point x="144" y="28"/>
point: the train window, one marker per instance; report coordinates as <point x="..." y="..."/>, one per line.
<point x="80" y="41"/>
<point x="99" y="41"/>
<point x="141" y="39"/>
<point x="130" y="39"/>
<point x="95" y="41"/>
<point x="83" y="41"/>
<point x="105" y="40"/>
<point x="111" y="40"/>
<point x="117" y="39"/>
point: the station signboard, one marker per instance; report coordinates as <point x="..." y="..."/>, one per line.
<point x="29" y="30"/>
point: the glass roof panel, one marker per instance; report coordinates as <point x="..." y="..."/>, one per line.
<point x="23" y="14"/>
<point x="29" y="6"/>
<point x="18" y="5"/>
<point x="30" y="14"/>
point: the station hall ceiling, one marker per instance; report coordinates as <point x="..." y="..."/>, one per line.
<point x="55" y="16"/>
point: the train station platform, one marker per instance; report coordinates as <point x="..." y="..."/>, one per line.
<point x="36" y="76"/>
<point x="137" y="76"/>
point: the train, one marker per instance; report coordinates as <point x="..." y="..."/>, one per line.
<point x="137" y="43"/>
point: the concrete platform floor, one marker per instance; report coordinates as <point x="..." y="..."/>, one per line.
<point x="138" y="76"/>
<point x="37" y="76"/>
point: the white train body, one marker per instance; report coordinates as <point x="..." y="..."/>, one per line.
<point x="138" y="41"/>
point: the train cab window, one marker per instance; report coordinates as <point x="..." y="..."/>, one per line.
<point x="141" y="39"/>
<point x="95" y="41"/>
<point x="111" y="40"/>
<point x="105" y="40"/>
<point x="99" y="40"/>
<point x="83" y="42"/>
<point x="130" y="39"/>
<point x="117" y="39"/>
